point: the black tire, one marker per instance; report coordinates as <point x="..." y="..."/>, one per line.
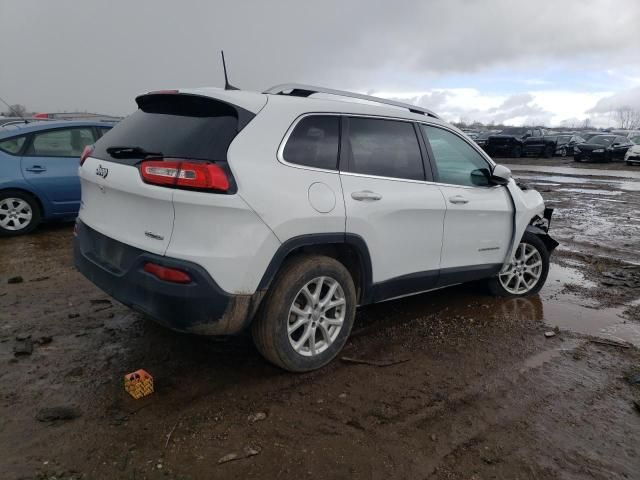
<point x="517" y="151"/>
<point x="495" y="285"/>
<point x="563" y="152"/>
<point x="269" y="329"/>
<point x="548" y="152"/>
<point x="9" y="230"/>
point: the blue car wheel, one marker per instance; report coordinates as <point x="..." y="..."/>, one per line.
<point x="19" y="213"/>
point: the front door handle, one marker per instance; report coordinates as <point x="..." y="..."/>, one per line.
<point x="36" y="169"/>
<point x="366" y="196"/>
<point x="458" y="200"/>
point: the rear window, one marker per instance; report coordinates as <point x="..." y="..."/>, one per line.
<point x="314" y="142"/>
<point x="177" y="126"/>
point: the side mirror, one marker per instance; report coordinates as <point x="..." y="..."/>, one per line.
<point x="500" y="175"/>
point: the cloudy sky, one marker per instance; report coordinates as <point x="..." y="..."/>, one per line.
<point x="517" y="62"/>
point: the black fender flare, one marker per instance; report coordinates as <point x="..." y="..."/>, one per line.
<point x="549" y="242"/>
<point x="320" y="239"/>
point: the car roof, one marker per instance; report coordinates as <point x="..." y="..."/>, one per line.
<point x="255" y="101"/>
<point x="24" y="128"/>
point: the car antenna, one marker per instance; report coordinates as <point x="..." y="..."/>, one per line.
<point x="227" y="85"/>
<point x="12" y="110"/>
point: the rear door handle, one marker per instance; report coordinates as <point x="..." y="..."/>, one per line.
<point x="36" y="169"/>
<point x="366" y="196"/>
<point x="458" y="200"/>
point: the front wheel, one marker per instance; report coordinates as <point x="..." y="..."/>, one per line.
<point x="517" y="151"/>
<point x="563" y="152"/>
<point x="526" y="273"/>
<point x="19" y="213"/>
<point x="307" y="315"/>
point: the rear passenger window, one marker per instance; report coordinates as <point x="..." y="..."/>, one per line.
<point x="68" y="142"/>
<point x="314" y="142"/>
<point x="385" y="148"/>
<point x="12" y="145"/>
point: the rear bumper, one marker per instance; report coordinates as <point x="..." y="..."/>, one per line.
<point x="200" y="306"/>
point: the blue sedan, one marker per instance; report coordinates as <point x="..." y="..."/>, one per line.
<point x="39" y="171"/>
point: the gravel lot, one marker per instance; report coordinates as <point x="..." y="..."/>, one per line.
<point x="475" y="391"/>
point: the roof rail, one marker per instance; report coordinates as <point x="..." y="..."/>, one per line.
<point x="300" y="90"/>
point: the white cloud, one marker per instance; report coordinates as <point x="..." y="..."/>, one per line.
<point x="544" y="107"/>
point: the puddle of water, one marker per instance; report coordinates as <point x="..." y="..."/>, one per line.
<point x="592" y="191"/>
<point x="540" y="358"/>
<point x="584" y="172"/>
<point x="557" y="180"/>
<point x="569" y="312"/>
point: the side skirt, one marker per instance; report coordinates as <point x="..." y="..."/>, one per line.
<point x="421" y="282"/>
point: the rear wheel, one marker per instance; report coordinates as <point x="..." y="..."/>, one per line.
<point x="307" y="315"/>
<point x="563" y="152"/>
<point x="526" y="273"/>
<point x="19" y="213"/>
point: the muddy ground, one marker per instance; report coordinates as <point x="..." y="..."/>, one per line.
<point x="479" y="391"/>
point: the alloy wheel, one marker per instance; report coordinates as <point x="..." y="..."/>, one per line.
<point x="15" y="214"/>
<point x="522" y="274"/>
<point x="316" y="316"/>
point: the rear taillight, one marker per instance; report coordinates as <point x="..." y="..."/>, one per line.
<point x="185" y="174"/>
<point x="167" y="274"/>
<point x="88" y="150"/>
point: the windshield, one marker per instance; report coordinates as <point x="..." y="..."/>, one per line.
<point x="562" y="140"/>
<point x="635" y="139"/>
<point x="602" y="140"/>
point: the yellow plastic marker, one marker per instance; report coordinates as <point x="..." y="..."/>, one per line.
<point x="138" y="384"/>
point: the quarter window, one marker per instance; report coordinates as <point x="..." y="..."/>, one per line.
<point x="12" y="145"/>
<point x="385" y="148"/>
<point x="314" y="142"/>
<point x="456" y="161"/>
<point x="68" y="142"/>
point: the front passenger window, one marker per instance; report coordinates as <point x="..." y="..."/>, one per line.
<point x="456" y="161"/>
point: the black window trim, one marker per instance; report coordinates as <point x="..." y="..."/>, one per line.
<point x="31" y="135"/>
<point x="490" y="163"/>
<point x="427" y="153"/>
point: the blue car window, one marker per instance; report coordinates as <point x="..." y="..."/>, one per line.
<point x="12" y="145"/>
<point x="68" y="142"/>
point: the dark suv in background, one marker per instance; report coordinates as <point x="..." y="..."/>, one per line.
<point x="510" y="142"/>
<point x="549" y="145"/>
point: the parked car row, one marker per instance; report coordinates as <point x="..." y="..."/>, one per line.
<point x="539" y="142"/>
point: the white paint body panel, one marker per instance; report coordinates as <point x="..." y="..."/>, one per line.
<point x="123" y="207"/>
<point x="477" y="232"/>
<point x="223" y="235"/>
<point x="403" y="229"/>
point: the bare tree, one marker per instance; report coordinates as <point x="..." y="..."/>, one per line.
<point x="586" y="123"/>
<point x="627" y="118"/>
<point x="17" y="110"/>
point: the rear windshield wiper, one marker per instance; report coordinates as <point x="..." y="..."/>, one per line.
<point x="131" y="152"/>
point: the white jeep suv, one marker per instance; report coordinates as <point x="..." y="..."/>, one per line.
<point x="213" y="211"/>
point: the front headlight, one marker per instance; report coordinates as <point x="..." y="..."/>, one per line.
<point x="598" y="150"/>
